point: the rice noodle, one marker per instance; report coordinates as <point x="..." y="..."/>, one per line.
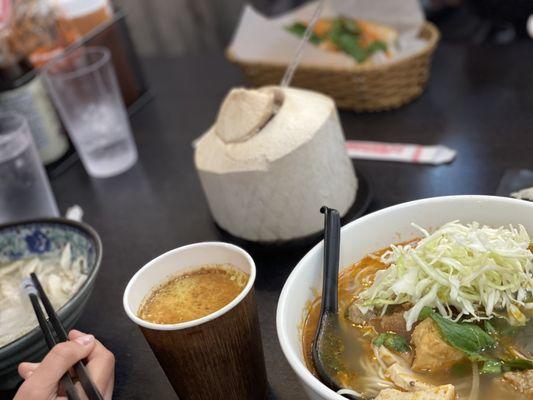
<point x="378" y="357"/>
<point x="474" y="392"/>
<point x="374" y="379"/>
<point x="60" y="276"/>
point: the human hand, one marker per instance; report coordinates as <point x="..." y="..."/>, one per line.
<point x="41" y="380"/>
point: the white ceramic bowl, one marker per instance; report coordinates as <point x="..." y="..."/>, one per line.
<point x="370" y="233"/>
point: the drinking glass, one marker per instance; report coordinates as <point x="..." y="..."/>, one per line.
<point x="84" y="88"/>
<point x="24" y="189"/>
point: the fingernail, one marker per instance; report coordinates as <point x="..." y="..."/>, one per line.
<point x="85" y="340"/>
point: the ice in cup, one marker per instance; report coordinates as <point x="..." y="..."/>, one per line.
<point x="84" y="88"/>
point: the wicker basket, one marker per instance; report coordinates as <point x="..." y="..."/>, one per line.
<point x="361" y="88"/>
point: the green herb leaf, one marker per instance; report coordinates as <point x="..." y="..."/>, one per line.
<point x="299" y="30"/>
<point x="468" y="338"/>
<point x="491" y="367"/>
<point x="426" y="312"/>
<point x="336" y="30"/>
<point x="375" y="46"/>
<point x="350" y="25"/>
<point x="347" y="42"/>
<point x="499" y="366"/>
<point x="489" y="328"/>
<point x="392" y="342"/>
<point x="345" y="36"/>
<point x="518" y="364"/>
<point x="472" y="340"/>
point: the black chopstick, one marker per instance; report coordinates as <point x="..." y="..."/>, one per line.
<point x="52" y="316"/>
<point x="66" y="381"/>
<point x="87" y="384"/>
<point x="90" y="389"/>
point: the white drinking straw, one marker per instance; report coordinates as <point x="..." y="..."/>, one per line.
<point x="289" y="73"/>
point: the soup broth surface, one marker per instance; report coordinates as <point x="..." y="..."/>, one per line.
<point x="194" y="294"/>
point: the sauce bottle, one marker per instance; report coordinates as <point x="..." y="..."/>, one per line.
<point x="38" y="32"/>
<point x="85" y="15"/>
<point x="22" y="91"/>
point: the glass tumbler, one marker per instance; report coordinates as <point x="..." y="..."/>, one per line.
<point x="24" y="189"/>
<point x="84" y="88"/>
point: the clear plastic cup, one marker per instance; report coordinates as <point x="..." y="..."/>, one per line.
<point x="84" y="88"/>
<point x="24" y="189"/>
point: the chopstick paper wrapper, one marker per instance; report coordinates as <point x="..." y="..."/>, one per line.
<point x="409" y="153"/>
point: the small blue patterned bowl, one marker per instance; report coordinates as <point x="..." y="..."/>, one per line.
<point x="33" y="238"/>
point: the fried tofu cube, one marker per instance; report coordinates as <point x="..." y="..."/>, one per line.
<point x="432" y="353"/>
<point x="444" y="392"/>
<point x="521" y="381"/>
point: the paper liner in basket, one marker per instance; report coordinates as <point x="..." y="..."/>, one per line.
<point x="262" y="39"/>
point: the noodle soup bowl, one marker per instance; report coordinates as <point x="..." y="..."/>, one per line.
<point x="366" y="235"/>
<point x="37" y="238"/>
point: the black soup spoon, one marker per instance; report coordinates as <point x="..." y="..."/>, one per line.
<point x="328" y="344"/>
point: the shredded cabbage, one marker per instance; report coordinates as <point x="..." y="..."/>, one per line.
<point x="480" y="271"/>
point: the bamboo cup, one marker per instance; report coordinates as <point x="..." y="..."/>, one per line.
<point x="219" y="356"/>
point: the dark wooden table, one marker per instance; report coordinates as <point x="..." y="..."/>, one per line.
<point x="479" y="101"/>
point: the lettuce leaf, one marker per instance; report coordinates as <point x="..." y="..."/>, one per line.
<point x="477" y="271"/>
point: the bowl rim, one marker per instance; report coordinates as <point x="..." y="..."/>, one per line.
<point x="290" y="354"/>
<point x="12" y="347"/>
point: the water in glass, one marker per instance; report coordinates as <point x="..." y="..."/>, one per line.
<point x="24" y="189"/>
<point x="103" y="139"/>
